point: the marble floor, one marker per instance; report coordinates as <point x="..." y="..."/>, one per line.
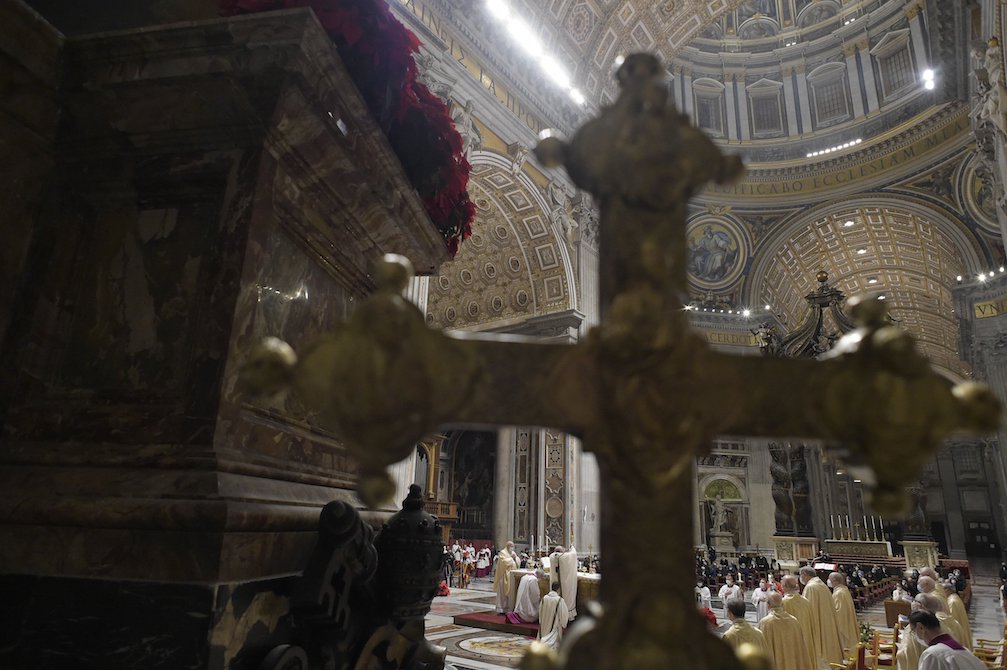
<point x="477" y="649"/>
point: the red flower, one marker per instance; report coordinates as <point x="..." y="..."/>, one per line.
<point x="378" y="51"/>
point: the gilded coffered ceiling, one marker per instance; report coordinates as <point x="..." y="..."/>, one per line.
<point x="588" y="35"/>
<point x="513" y="267"/>
<point x="902" y="252"/>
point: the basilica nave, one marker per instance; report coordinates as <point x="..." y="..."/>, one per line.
<point x="194" y="176"/>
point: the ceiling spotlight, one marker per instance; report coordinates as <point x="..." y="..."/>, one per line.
<point x="872" y="280"/>
<point x="1001" y="268"/>
<point x="929" y="84"/>
<point x="959" y="278"/>
<point x="768" y="307"/>
<point x="982" y="276"/>
<point x="746" y="312"/>
<point x="848" y="224"/>
<point x="881" y="297"/>
<point x="861" y="252"/>
<point x="498" y="8"/>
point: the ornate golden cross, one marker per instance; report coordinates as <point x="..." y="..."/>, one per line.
<point x="644" y="393"/>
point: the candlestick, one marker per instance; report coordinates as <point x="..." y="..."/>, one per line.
<point x="866" y="536"/>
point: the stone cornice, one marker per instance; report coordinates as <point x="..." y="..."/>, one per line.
<point x="474" y="31"/>
<point x="881" y="160"/>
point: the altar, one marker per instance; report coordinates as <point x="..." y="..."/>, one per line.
<point x="859" y="548"/>
<point x="587" y="586"/>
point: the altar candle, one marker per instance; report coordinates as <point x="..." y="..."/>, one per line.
<point x="865" y="528"/>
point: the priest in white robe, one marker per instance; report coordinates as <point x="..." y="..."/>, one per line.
<point x="729" y="591"/>
<point x="553" y="617"/>
<point x="798" y="606"/>
<point x="958" y="612"/>
<point x="929" y="585"/>
<point x="563" y="565"/>
<point x="824" y="625"/>
<point x="784" y="637"/>
<point x="942" y="652"/>
<point x="760" y="598"/>
<point x="846" y="614"/>
<point x="911" y="647"/>
<point x="931" y="603"/>
<point x="741" y="632"/>
<point x="703" y="596"/>
<point x="505" y="561"/>
<point x="529" y="599"/>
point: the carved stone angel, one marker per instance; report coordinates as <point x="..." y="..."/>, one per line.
<point x="465" y="124"/>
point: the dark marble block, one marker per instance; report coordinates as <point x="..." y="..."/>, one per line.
<point x="208" y="184"/>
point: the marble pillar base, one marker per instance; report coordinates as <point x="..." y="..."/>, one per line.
<point x="722" y="542"/>
<point x="790" y="551"/>
<point x="920" y="553"/>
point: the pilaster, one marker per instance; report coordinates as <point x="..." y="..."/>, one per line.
<point x="867" y="71"/>
<point x="853" y="77"/>
<point x="916" y="31"/>
<point x="793" y="130"/>
<point x="803" y="99"/>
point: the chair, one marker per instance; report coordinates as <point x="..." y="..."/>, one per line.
<point x="893" y="609"/>
<point x="884" y="646"/>
<point x="991" y="652"/>
<point x="856" y="662"/>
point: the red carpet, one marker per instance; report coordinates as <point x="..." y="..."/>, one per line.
<point x="497" y="622"/>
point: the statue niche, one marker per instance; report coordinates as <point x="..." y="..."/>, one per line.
<point x="779" y="469"/>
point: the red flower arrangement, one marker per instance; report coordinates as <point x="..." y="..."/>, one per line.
<point x="378" y="53"/>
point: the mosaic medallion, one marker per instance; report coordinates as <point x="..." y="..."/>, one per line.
<point x="501" y="646"/>
<point x="718" y="251"/>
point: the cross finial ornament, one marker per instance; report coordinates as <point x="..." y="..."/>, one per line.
<point x="643" y="392"/>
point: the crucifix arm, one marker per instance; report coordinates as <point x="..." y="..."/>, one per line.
<point x="523" y="382"/>
<point x="875" y="394"/>
<point x="383" y="380"/>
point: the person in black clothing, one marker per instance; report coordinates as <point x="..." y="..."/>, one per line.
<point x="855" y="580"/>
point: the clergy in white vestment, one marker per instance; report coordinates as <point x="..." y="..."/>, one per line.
<point x="824" y="620"/>
<point x="456" y="552"/>
<point x="529" y="599"/>
<point x="784" y="637"/>
<point x="729" y="591"/>
<point x="942" y="652"/>
<point x="929" y="585"/>
<point x="563" y="565"/>
<point x="798" y="606"/>
<point x="483" y="557"/>
<point x="911" y="647"/>
<point x="956" y="608"/>
<point x="505" y="561"/>
<point x="931" y="603"/>
<point x="846" y="614"/>
<point x="553" y="617"/>
<point x="742" y="632"/>
<point x="702" y="595"/>
<point x="760" y="598"/>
